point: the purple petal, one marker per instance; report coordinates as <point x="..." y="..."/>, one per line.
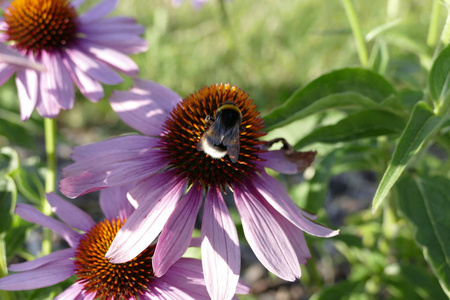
<point x="114" y="202"/>
<point x="168" y="98"/>
<point x="99" y="11"/>
<point x="122" y="42"/>
<point x="265" y="235"/>
<point x="113" y="58"/>
<point x="69" y="213"/>
<point x="6" y="71"/>
<point x="44" y="276"/>
<point x="119" y="161"/>
<point x="145" y="224"/>
<point x="220" y="248"/>
<point x="297" y="239"/>
<point x="195" y="242"/>
<point x="72" y="292"/>
<point x="277" y="196"/>
<point x="90" y="88"/>
<point x="76" y="3"/>
<point x="31" y="214"/>
<point x="38" y="262"/>
<point x="27" y="89"/>
<point x="176" y="235"/>
<point x="92" y="67"/>
<point x="114" y="24"/>
<point x="56" y="82"/>
<point x="13" y="57"/>
<point x="276" y="160"/>
<point x="139" y="112"/>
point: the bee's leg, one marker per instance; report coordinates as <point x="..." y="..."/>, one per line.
<point x="209" y="120"/>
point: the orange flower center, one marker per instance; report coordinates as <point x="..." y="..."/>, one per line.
<point x="185" y="130"/>
<point x="107" y="280"/>
<point x="35" y="25"/>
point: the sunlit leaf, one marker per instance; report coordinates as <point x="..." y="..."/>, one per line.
<point x="421" y="124"/>
<point x="341" y="89"/>
<point x="425" y="202"/>
<point x="439" y="78"/>
<point x="363" y="124"/>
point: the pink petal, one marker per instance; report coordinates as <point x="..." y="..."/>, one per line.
<point x="176" y="235"/>
<point x="297" y="239"/>
<point x="99" y="11"/>
<point x="6" y="71"/>
<point x="168" y="98"/>
<point x="69" y="213"/>
<point x="122" y="42"/>
<point x="220" y="248"/>
<point x="114" y="24"/>
<point x="89" y="87"/>
<point x="113" y="58"/>
<point x="93" y="67"/>
<point x="114" y="162"/>
<point x="277" y="161"/>
<point x="195" y="242"/>
<point x="146" y="223"/>
<point x="76" y="3"/>
<point x="31" y="214"/>
<point x="73" y="292"/>
<point x="114" y="202"/>
<point x="65" y="254"/>
<point x="277" y="196"/>
<point x="139" y="112"/>
<point x="13" y="57"/>
<point x="56" y="81"/>
<point x="44" y="276"/>
<point x="265" y="235"/>
<point x="27" y="89"/>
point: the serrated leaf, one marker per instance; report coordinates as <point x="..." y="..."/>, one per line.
<point x="439" y="78"/>
<point x="425" y="202"/>
<point x="363" y="124"/>
<point x="421" y="124"/>
<point x="359" y="88"/>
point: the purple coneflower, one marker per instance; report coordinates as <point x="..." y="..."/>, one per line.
<point x="96" y="276"/>
<point x="172" y="173"/>
<point x="83" y="50"/>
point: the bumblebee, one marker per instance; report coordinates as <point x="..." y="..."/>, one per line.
<point x="222" y="136"/>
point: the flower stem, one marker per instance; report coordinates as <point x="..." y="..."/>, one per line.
<point x="433" y="30"/>
<point x="50" y="178"/>
<point x="356" y="29"/>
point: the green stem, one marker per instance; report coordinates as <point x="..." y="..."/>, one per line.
<point x="50" y="178"/>
<point x="356" y="29"/>
<point x="445" y="37"/>
<point x="433" y="30"/>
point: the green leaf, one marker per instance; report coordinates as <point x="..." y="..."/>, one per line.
<point x="9" y="161"/>
<point x="421" y="124"/>
<point x="342" y="290"/>
<point x="16" y="133"/>
<point x="425" y="202"/>
<point x="342" y="89"/>
<point x="15" y="238"/>
<point x="363" y="124"/>
<point x="8" y="197"/>
<point x="439" y="78"/>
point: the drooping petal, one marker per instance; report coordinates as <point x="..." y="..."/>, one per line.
<point x="27" y="89"/>
<point x="220" y="248"/>
<point x="69" y="213"/>
<point x="92" y="67"/>
<point x="297" y="239"/>
<point x="265" y="235"/>
<point x="89" y="87"/>
<point x="56" y="82"/>
<point x="113" y="58"/>
<point x="119" y="161"/>
<point x="114" y="202"/>
<point x="72" y="292"/>
<point x="146" y="223"/>
<point x="176" y="234"/>
<point x="122" y="42"/>
<point x="64" y="254"/>
<point x="277" y="196"/>
<point x="99" y="11"/>
<point x="31" y="214"/>
<point x="44" y="276"/>
<point x="6" y="71"/>
<point x="279" y="161"/>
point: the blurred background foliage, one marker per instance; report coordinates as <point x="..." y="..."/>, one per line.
<point x="271" y="49"/>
